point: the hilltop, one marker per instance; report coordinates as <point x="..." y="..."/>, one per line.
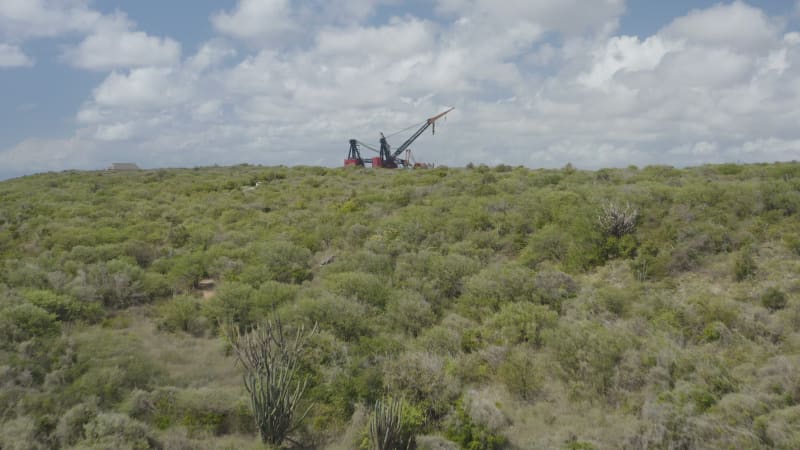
<point x="511" y="308"/>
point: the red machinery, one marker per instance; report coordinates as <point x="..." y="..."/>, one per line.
<point x="387" y="158"/>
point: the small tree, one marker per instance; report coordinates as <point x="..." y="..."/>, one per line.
<point x="272" y="378"/>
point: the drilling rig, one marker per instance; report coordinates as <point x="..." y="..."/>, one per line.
<point x="386" y="157"/>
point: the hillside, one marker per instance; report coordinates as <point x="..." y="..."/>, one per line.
<point x="511" y="308"/>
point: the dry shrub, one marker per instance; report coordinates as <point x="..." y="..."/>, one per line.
<point x="481" y="406"/>
<point x="114" y="430"/>
<point x="70" y="428"/>
<point x="422" y="379"/>
<point x="435" y="443"/>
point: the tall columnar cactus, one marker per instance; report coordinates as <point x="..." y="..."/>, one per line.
<point x="386" y="430"/>
<point x="271" y="363"/>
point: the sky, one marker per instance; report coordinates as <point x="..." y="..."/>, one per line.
<point x="539" y="83"/>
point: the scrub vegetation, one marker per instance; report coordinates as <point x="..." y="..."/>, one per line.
<point x="474" y="308"/>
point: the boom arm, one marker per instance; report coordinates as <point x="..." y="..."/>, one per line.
<point x="430" y="122"/>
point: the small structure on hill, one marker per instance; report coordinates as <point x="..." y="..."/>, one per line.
<point x="206" y="287"/>
<point x="123" y="167"/>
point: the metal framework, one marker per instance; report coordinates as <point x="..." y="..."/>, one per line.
<point x="386" y="157"/>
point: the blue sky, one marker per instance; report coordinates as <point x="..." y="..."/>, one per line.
<point x="538" y="83"/>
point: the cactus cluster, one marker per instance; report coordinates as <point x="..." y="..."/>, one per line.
<point x="272" y="378"/>
<point x="617" y="221"/>
<point x="386" y="430"/>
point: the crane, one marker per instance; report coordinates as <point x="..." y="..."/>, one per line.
<point x="386" y="157"/>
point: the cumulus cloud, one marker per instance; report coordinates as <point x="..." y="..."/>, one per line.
<point x="699" y="90"/>
<point x="145" y="88"/>
<point x="678" y="96"/>
<point x="271" y="23"/>
<point x="627" y="54"/>
<point x="109" y="41"/>
<point x="736" y="25"/>
<point x="113" y="44"/>
<point x="257" y="21"/>
<point x="26" y="19"/>
<point x="566" y="16"/>
<point x="211" y="54"/>
<point x="13" y="56"/>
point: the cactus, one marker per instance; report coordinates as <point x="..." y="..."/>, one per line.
<point x="271" y="363"/>
<point x="386" y="430"/>
<point x="616" y="221"/>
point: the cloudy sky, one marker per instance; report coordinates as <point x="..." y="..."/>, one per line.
<point x="598" y="83"/>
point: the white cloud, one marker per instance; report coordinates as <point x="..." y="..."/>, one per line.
<point x="114" y="132"/>
<point x="737" y="25"/>
<point x="25" y="19"/>
<point x="13" y="56"/>
<point x="669" y="98"/>
<point x="109" y="41"/>
<point x="567" y="16"/>
<point x="399" y="38"/>
<point x="706" y="68"/>
<point x="257" y="21"/>
<point x="689" y="94"/>
<point x="627" y="54"/>
<point x="210" y="54"/>
<point x="145" y="88"/>
<point x="278" y="23"/>
<point x="112" y="44"/>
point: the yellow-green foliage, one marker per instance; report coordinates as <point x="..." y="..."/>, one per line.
<point x="509" y="307"/>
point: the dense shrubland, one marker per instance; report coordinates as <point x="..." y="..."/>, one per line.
<point x="477" y="308"/>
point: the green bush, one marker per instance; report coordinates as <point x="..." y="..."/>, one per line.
<point x="234" y="302"/>
<point x="744" y="266"/>
<point x="70" y="428"/>
<point x="65" y="308"/>
<point x="402" y="374"/>
<point x="272" y="294"/>
<point x="553" y="287"/>
<point x="20" y="433"/>
<point x="521" y="374"/>
<point x="471" y="436"/>
<point x="522" y="322"/>
<point x="779" y="429"/>
<point x="617" y="301"/>
<point x="437" y="277"/>
<point x="117" y="283"/>
<point x="773" y="299"/>
<point x="409" y="312"/>
<point x="278" y="261"/>
<point x="107" y="366"/>
<point x="182" y="313"/>
<point x="551" y="243"/>
<point x="26" y="321"/>
<point x="213" y="411"/>
<point x="588" y="353"/>
<point x="490" y="288"/>
<point x="114" y="430"/>
<point x="367" y="288"/>
<point x="348" y="319"/>
<point x="184" y="271"/>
